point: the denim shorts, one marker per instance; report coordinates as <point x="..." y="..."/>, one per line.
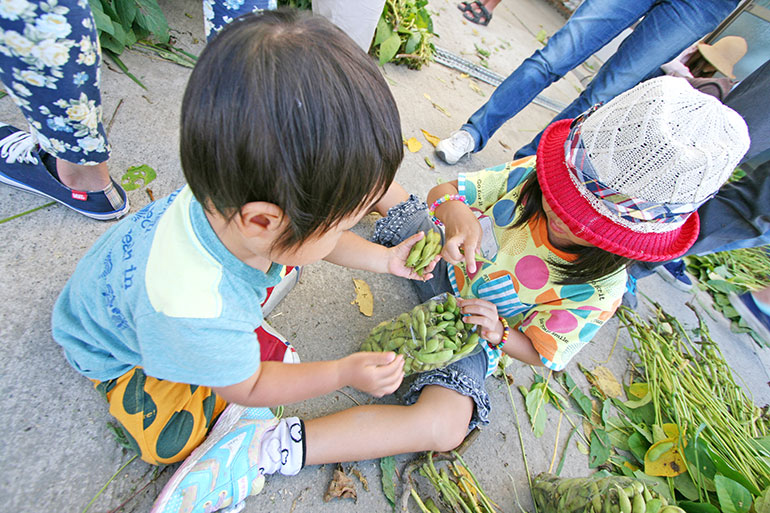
<point x="466" y="376"/>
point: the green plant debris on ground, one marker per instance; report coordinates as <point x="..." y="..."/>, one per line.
<point x="687" y="429"/>
<point x="404" y="34"/>
<point x="732" y="272"/>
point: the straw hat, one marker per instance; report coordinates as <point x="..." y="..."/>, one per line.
<point x="630" y="176"/>
<point x="724" y="54"/>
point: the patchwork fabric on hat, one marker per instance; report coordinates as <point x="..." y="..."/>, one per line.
<point x="642" y="165"/>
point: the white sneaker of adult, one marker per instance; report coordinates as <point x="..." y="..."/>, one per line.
<point x="455" y="147"/>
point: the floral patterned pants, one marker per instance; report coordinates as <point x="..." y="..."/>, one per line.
<point x="50" y="65"/>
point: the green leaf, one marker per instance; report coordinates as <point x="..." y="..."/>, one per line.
<point x="109" y="43"/>
<point x="137" y="176"/>
<point x="389" y="48"/>
<point x="150" y="17"/>
<point x="535" y="401"/>
<point x="103" y="22"/>
<point x="723" y="286"/>
<point x="724" y="468"/>
<point x="388" y="468"/>
<point x="733" y="497"/>
<point x="638" y="446"/>
<point x="696" y="452"/>
<point x="606" y="410"/>
<point x="384" y="31"/>
<point x="581" y="400"/>
<point x="684" y="485"/>
<point x="412" y="42"/>
<point x="762" y="503"/>
<point x="126" y="10"/>
<point x="618" y="436"/>
<point x="600" y="448"/>
<point x="697" y="507"/>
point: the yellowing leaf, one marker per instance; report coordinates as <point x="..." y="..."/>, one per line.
<point x="413" y="144"/>
<point x="638" y="390"/>
<point x="541" y="36"/>
<point x="606" y="382"/>
<point x="630" y="466"/>
<point x="663" y="459"/>
<point x="464" y="75"/>
<point x="430" y="137"/>
<point x="364" y="297"/>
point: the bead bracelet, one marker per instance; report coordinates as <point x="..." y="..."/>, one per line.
<point x="439" y="201"/>
<point x="504" y="338"/>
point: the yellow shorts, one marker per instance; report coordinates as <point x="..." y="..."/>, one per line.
<point x="163" y="421"/>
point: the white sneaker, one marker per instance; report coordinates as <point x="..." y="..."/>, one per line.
<point x="458" y="145"/>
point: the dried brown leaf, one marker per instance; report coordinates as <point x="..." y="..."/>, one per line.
<point x="341" y="486"/>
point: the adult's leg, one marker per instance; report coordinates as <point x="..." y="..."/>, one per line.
<point x="50" y="67"/>
<point x="218" y="13"/>
<point x="667" y="28"/>
<point x="594" y="24"/>
<point x="357" y="18"/>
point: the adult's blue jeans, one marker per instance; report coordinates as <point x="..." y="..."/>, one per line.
<point x="668" y="27"/>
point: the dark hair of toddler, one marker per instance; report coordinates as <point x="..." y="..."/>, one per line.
<point x="285" y="108"/>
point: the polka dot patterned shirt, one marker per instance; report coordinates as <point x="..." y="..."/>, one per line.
<point x="558" y="319"/>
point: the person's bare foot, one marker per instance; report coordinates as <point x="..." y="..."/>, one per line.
<point x="83" y="178"/>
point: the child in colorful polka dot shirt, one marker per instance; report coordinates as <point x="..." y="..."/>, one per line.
<point x="555" y="232"/>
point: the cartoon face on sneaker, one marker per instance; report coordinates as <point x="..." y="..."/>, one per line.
<point x="558" y="233"/>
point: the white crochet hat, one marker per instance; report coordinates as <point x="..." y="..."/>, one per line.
<point x="627" y="176"/>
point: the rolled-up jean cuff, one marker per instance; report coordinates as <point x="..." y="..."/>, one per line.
<point x="466" y="377"/>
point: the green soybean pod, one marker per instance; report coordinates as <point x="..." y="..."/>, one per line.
<point x="448" y="316"/>
<point x="408" y="366"/>
<point x="451" y="331"/>
<point x="432" y="345"/>
<point x="448" y="344"/>
<point x="465" y="350"/>
<point x="451" y="302"/>
<point x="474" y="338"/>
<point x="393" y="344"/>
<point x="438" y="357"/>
<point x="653" y="506"/>
<point x="415" y="252"/>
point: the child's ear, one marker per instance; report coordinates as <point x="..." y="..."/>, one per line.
<point x="259" y="218"/>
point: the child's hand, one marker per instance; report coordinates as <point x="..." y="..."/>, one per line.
<point x="463" y="237"/>
<point x="484" y="314"/>
<point x="397" y="260"/>
<point x="377" y="374"/>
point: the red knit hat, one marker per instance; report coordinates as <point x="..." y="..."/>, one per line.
<point x="629" y="177"/>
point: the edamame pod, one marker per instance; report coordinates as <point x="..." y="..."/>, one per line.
<point x="437" y="357"/>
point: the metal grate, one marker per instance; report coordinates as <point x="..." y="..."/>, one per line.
<point x="450" y="60"/>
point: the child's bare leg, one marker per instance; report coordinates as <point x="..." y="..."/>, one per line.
<point x="393" y="196"/>
<point x="438" y="421"/>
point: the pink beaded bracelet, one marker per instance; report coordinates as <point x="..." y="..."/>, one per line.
<point x="439" y="201"/>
